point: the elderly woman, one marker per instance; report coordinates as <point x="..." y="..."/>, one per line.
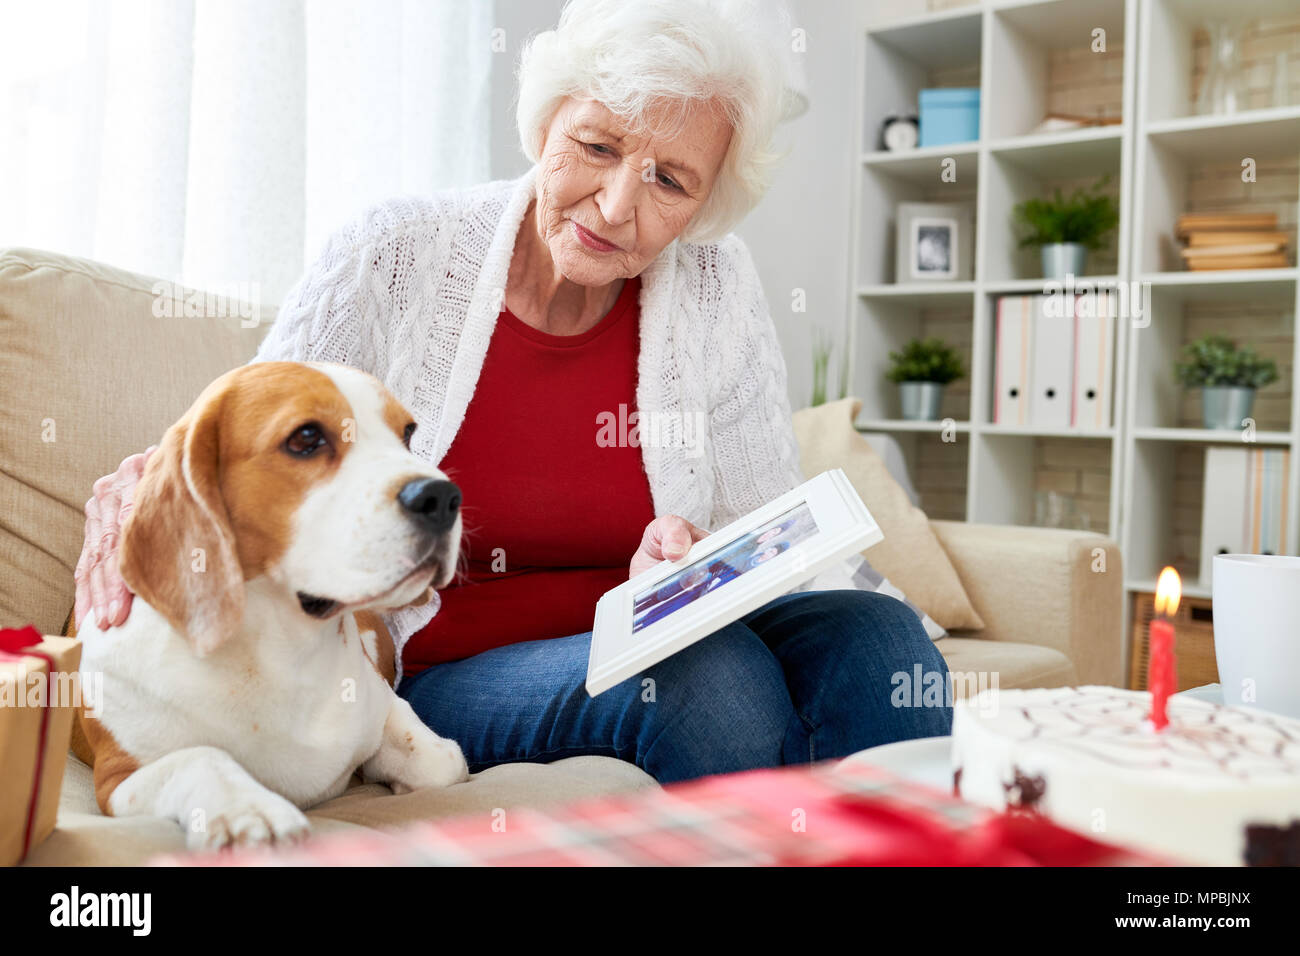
<point x="511" y="319"/>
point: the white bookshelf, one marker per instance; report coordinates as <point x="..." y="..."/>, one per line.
<point x="1004" y="49"/>
<point x="1154" y="155"/>
<point x="1172" y="146"/>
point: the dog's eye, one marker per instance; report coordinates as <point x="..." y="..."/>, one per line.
<point x="305" y="440"/>
<point x="406" y="436"/>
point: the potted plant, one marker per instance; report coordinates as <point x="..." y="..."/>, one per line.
<point x="1227" y="377"/>
<point x="922" y="369"/>
<point x="1065" y="228"/>
<point x="822" y="347"/>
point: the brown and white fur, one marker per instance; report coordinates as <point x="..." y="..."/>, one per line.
<point x="240" y="688"/>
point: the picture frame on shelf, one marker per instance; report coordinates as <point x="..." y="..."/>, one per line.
<point x="933" y="242"/>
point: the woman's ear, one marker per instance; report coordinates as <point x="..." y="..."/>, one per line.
<point x="178" y="549"/>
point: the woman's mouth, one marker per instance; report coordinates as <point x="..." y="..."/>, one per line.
<point x="591" y="240"/>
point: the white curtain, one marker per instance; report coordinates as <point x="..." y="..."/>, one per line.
<point x="218" y="142"/>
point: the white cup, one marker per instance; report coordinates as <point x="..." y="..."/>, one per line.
<point x="1257" y="630"/>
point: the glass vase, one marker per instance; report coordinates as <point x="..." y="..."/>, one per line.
<point x="1223" y="87"/>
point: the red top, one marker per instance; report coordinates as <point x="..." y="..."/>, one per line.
<point x="553" y="510"/>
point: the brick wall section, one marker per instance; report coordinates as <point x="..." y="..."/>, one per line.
<point x="940" y="475"/>
<point x="1189" y="492"/>
<point x="1079" y="468"/>
<point x="1085" y="83"/>
<point x="954" y="327"/>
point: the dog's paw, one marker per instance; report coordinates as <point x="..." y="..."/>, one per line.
<point x="252" y="819"/>
<point x="435" y="763"/>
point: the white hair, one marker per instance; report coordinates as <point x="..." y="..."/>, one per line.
<point x="629" y="55"/>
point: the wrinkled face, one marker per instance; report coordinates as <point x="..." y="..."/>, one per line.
<point x="325" y="496"/>
<point x="632" y="194"/>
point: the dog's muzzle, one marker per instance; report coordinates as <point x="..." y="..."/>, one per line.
<point x="434" y="505"/>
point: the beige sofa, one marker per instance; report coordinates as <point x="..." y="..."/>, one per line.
<point x="91" y="372"/>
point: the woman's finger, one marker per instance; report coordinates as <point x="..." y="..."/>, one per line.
<point x="675" y="535"/>
<point x="668" y="536"/>
<point x="81" y="575"/>
<point x="103" y="524"/>
<point x="126" y="480"/>
<point x="94" y="570"/>
<point x="119" y="595"/>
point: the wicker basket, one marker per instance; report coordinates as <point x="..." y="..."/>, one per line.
<point x="1193" y="645"/>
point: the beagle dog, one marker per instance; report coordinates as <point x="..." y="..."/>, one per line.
<point x="275" y="518"/>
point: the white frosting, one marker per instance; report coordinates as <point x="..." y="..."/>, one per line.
<point x="1188" y="791"/>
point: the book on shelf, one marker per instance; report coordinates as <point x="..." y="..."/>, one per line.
<point x="1051" y="385"/>
<point x="1240" y="249"/>
<point x="1245" y="503"/>
<point x="1225" y="222"/>
<point x="1217" y="241"/>
<point x="1235" y="237"/>
<point x="1053" y="365"/>
<point x="1012" y="348"/>
<point x="1274" y="260"/>
<point x="1094" y="359"/>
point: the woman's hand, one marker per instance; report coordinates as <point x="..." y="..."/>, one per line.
<point x="666" y="538"/>
<point x="99" y="584"/>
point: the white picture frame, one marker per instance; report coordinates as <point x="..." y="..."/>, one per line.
<point x="933" y="242"/>
<point x="723" y="577"/>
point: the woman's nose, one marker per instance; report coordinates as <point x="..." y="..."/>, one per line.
<point x="618" y="197"/>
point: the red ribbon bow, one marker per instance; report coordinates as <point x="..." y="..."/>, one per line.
<point x="19" y="643"/>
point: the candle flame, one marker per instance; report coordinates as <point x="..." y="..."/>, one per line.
<point x="1169" y="591"/>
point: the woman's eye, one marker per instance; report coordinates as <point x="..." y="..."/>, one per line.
<point x="406" y="436"/>
<point x="671" y="184"/>
<point x="600" y="148"/>
<point x="305" y="441"/>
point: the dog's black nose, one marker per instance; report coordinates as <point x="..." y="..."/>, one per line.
<point x="434" y="502"/>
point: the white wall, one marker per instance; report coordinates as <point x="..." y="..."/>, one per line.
<point x="799" y="233"/>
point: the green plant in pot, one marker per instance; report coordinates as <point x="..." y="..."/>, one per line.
<point x="822" y="347"/>
<point x="922" y="368"/>
<point x="1065" y="228"/>
<point x="1227" y="377"/>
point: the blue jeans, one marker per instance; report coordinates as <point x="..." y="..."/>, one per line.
<point x="808" y="676"/>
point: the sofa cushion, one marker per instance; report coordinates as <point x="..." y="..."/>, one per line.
<point x="910" y="556"/>
<point x="973" y="662"/>
<point x="93" y="370"/>
<point x="85" y="837"/>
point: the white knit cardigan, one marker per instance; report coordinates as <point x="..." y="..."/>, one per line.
<point x="410" y="292"/>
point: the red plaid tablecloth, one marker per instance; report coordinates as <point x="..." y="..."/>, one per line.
<point x="817" y="815"/>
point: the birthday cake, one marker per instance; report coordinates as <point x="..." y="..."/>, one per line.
<point x="1218" y="785"/>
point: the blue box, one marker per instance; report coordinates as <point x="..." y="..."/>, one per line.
<point x="950" y="116"/>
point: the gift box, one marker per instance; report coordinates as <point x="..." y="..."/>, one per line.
<point x="36" y="714"/>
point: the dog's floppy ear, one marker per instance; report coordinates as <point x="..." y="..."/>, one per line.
<point x="178" y="549"/>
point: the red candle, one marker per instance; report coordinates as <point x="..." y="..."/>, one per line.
<point x="1162" y="667"/>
